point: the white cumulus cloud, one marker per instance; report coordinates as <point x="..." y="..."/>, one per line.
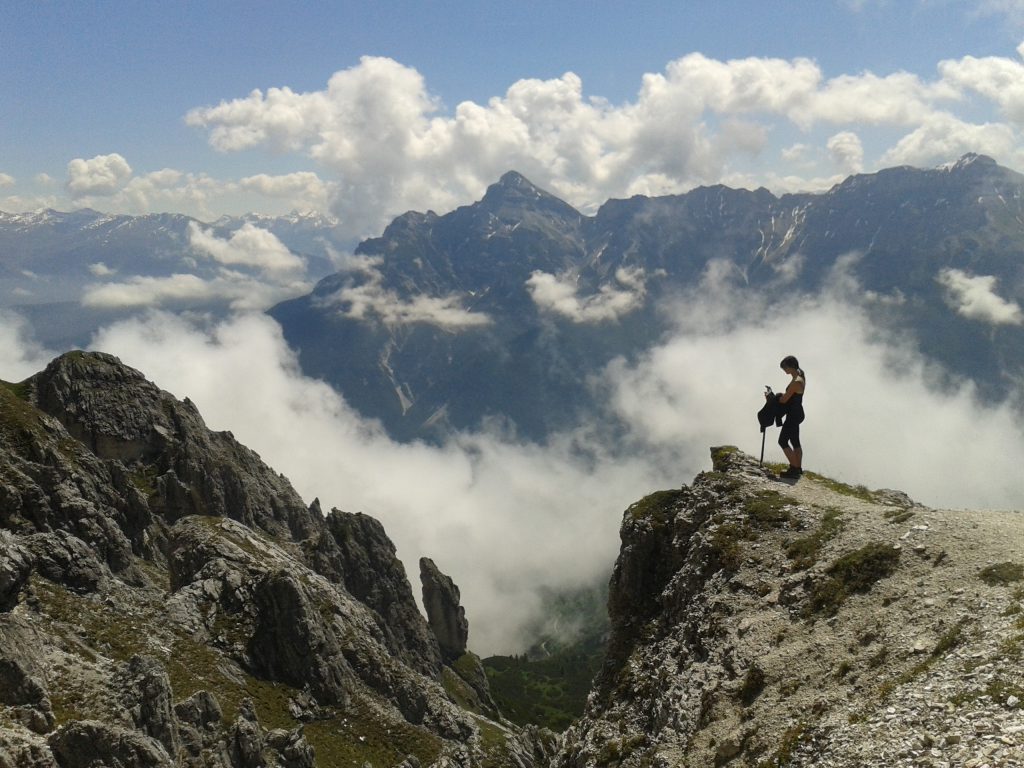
<point x="847" y="151"/>
<point x="6" y="180"/>
<point x="560" y="294"/>
<point x="304" y="189"/>
<point x="100" y="175"/>
<point x="975" y="297"/>
<point x="387" y="145"/>
<point x="250" y="246"/>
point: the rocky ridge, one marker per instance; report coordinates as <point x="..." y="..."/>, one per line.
<point x="166" y="599"/>
<point x="757" y="622"/>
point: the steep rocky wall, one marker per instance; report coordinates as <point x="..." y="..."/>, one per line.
<point x="168" y="599"/>
<point x="759" y="622"/>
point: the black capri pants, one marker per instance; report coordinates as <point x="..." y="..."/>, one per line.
<point x="789" y="436"/>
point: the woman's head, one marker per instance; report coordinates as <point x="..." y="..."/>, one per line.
<point x="790" y="363"/>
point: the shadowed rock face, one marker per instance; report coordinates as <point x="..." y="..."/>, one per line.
<point x="119" y="415"/>
<point x="356" y="553"/>
<point x="447" y="618"/>
<point x="165" y="596"/>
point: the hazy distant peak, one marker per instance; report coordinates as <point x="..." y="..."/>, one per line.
<point x="971" y="158"/>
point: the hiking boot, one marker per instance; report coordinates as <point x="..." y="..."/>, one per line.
<point x="792" y="473"/>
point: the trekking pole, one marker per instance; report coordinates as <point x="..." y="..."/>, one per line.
<point x="765" y="417"/>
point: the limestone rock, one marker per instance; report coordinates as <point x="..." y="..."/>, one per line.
<point x="26" y="695"/>
<point x="292" y="643"/>
<point x="25" y="755"/>
<point x="88" y="743"/>
<point x="295" y="751"/>
<point x="186" y="468"/>
<point x="200" y="709"/>
<point x="752" y="623"/>
<point x="356" y="552"/>
<point x="147" y="695"/>
<point x="446" y="616"/>
<point x="15" y="567"/>
<point x="139" y="549"/>
<point x="247" y="738"/>
<point x="66" y="559"/>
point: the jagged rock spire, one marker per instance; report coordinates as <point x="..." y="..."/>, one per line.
<point x="446" y="617"/>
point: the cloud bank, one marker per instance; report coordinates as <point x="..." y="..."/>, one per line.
<point x="508" y="519"/>
<point x="249" y="246"/>
<point x="364" y="297"/>
<point x="389" y="145"/>
<point x="503" y="518"/>
<point x="255" y="270"/>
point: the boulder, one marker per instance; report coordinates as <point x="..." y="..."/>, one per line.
<point x="295" y="751"/>
<point x="66" y="559"/>
<point x="15" y="568"/>
<point x="247" y="738"/>
<point x="146" y="694"/>
<point x="90" y="743"/>
<point x="292" y="642"/>
<point x="26" y="695"/>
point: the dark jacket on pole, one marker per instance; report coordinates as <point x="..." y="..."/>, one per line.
<point x="773" y="411"/>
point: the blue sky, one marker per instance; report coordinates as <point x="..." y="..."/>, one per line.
<point x="109" y="105"/>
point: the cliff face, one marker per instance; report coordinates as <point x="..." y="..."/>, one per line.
<point x="168" y="599"/>
<point x="763" y="623"/>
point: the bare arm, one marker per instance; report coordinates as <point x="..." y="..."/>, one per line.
<point x="795" y="388"/>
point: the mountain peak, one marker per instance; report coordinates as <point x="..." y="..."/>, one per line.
<point x="968" y="160"/>
<point x="515" y="190"/>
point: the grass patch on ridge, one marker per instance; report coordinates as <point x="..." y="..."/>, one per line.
<point x="855" y="572"/>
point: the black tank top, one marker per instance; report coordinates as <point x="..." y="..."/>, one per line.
<point x="795" y="406"/>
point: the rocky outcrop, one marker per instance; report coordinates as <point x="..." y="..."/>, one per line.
<point x="446" y="616"/>
<point x="86" y="743"/>
<point x="355" y="552"/>
<point x="181" y="466"/>
<point x="15" y="567"/>
<point x="167" y="599"/>
<point x="26" y="696"/>
<point x="758" y="622"/>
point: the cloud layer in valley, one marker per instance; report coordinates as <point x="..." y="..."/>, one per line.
<point x="560" y="294"/>
<point x="253" y="271"/>
<point x="364" y="296"/>
<point x="506" y="518"/>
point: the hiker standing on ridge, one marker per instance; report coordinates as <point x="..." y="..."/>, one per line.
<point x="792" y="404"/>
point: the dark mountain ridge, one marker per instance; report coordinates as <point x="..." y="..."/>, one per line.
<point x="895" y="233"/>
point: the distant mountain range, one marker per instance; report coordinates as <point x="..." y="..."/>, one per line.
<point x="506" y="307"/>
<point x="48" y="258"/>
